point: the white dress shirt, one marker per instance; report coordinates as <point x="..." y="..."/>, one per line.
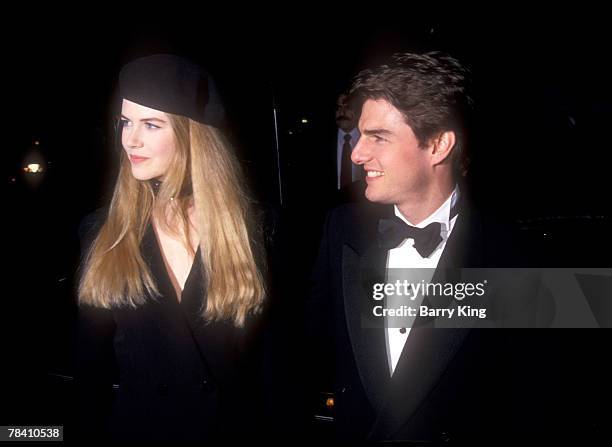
<point x="405" y="256"/>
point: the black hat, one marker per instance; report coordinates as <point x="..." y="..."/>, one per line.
<point x="172" y="84"/>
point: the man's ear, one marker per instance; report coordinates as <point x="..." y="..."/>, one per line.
<point x="442" y="146"/>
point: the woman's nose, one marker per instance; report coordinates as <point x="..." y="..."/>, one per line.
<point x="132" y="138"/>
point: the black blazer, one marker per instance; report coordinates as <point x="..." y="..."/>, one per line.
<point x="159" y="372"/>
<point x="449" y="384"/>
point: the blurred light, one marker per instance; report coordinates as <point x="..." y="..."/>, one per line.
<point x="304" y="121"/>
<point x="33" y="168"/>
<point x="329" y="403"/>
<point x="36" y="143"/>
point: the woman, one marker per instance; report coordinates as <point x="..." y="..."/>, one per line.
<point x="172" y="272"/>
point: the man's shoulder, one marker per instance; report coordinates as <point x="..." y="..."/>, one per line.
<point x="355" y="223"/>
<point x="497" y="238"/>
<point x="360" y="212"/>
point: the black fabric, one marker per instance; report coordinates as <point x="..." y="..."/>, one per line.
<point x="172" y="84"/>
<point x="391" y="232"/>
<point x="496" y="385"/>
<point x="346" y="166"/>
<point x="160" y="372"/>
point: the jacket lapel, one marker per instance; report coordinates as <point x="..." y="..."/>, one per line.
<point x="367" y="340"/>
<point x="363" y="264"/>
<point x="213" y="342"/>
<point x="428" y="350"/>
<point x="426" y="355"/>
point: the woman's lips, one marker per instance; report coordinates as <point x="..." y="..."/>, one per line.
<point x="136" y="159"/>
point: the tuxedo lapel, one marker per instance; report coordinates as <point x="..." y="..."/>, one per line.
<point x="426" y="356"/>
<point x="367" y="340"/>
<point x="363" y="264"/>
<point x="464" y="246"/>
<point x="428" y="350"/>
<point x="463" y="249"/>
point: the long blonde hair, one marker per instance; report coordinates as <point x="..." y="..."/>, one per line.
<point x="204" y="173"/>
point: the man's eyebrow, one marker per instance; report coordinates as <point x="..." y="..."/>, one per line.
<point x="145" y="119"/>
<point x="377" y="132"/>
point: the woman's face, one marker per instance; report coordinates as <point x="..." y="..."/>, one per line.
<point x="148" y="139"/>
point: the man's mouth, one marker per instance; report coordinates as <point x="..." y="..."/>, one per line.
<point x="374" y="174"/>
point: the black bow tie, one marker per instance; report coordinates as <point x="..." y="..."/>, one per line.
<point x="393" y="231"/>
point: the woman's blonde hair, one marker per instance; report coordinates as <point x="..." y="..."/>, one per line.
<point x="204" y="173"/>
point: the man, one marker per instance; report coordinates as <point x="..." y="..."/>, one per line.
<point x="347" y="137"/>
<point x="396" y="382"/>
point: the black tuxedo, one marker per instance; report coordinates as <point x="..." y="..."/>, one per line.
<point x="449" y="384"/>
<point x="176" y="377"/>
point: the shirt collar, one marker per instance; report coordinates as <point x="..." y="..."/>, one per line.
<point x="442" y="214"/>
<point x="354" y="133"/>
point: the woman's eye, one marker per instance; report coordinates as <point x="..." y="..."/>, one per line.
<point x="125" y="123"/>
<point x="151" y="126"/>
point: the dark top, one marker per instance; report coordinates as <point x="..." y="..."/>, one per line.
<point x="159" y="371"/>
<point x="449" y="384"/>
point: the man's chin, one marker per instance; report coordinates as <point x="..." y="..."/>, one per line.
<point x="371" y="196"/>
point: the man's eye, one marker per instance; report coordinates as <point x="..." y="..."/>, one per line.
<point x="379" y="139"/>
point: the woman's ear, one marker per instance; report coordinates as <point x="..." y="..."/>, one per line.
<point x="442" y="146"/>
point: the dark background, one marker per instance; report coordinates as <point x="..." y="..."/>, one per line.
<point x="541" y="146"/>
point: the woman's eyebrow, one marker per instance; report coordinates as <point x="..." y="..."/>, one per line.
<point x="145" y="119"/>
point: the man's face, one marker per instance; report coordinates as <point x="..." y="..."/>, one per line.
<point x="397" y="168"/>
<point x="148" y="139"/>
<point x="346" y="118"/>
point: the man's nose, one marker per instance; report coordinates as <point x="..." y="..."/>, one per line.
<point x="360" y="153"/>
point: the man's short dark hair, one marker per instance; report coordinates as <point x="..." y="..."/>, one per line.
<point x="431" y="92"/>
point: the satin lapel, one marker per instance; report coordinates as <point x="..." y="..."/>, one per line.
<point x="421" y="365"/>
<point x="464" y="246"/>
<point x="428" y="350"/>
<point x="366" y="335"/>
<point x="364" y="264"/>
<point x="463" y="249"/>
